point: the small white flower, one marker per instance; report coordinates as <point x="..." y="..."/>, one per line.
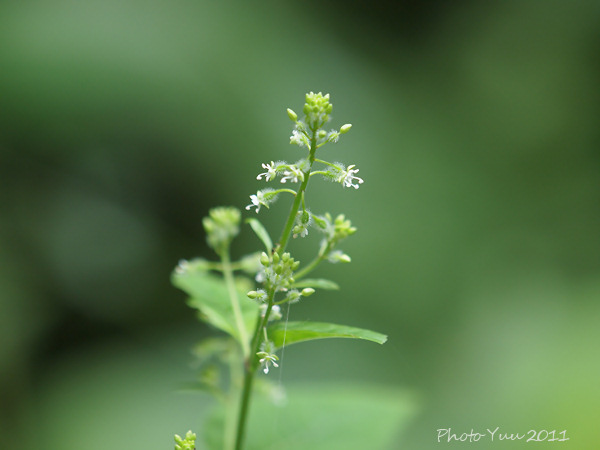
<point x="267" y="359"/>
<point x="256" y="201"/>
<point x="275" y="311"/>
<point x="261" y="199"/>
<point x="299" y="138"/>
<point x="300" y="230"/>
<point x="261" y="276"/>
<point x="303" y="221"/>
<point x="294" y="174"/>
<point x="182" y="267"/>
<point x="347" y="177"/>
<point x="271" y="171"/>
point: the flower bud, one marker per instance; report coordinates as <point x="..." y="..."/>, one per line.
<point x="307" y="291"/>
<point x="264" y="259"/>
<point x="345" y="128"/>
<point x="345" y="258"/>
<point x="292" y="115"/>
<point x="252" y="294"/>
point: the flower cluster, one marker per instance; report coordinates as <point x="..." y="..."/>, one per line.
<point x="307" y="134"/>
<point x="187" y="443"/>
<point x="293" y="173"/>
<point x="335" y="231"/>
<point x="253" y="341"/>
<point x="221" y="226"/>
<point x="279" y="270"/>
<point x="317" y="110"/>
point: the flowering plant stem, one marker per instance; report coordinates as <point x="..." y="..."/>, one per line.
<point x="235" y="303"/>
<point x="218" y="299"/>
<point x="252" y="364"/>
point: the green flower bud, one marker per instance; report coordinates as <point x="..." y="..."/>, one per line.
<point x="345" y="128"/>
<point x="345" y="258"/>
<point x="252" y="294"/>
<point x="275" y="258"/>
<point x="264" y="259"/>
<point x="221" y="225"/>
<point x="307" y="291"/>
<point x="292" y="115"/>
<point x="185" y="444"/>
<point x="305" y="217"/>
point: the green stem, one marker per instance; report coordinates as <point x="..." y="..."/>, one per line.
<point x="245" y="403"/>
<point x="235" y="303"/>
<point x="287" y="230"/>
<point x="252" y="359"/>
<point x="251" y="366"/>
<point x="325" y="162"/>
<point x="309" y="268"/>
<point x="290" y="191"/>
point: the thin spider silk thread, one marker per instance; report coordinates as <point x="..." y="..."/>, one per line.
<point x="280" y="383"/>
<point x="287" y="315"/>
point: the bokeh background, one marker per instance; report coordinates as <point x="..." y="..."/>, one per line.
<point x="478" y="252"/>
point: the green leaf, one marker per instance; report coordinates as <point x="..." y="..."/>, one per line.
<point x="262" y="233"/>
<point x="308" y="331"/>
<point x="325" y="417"/>
<point x="318" y="283"/>
<point x="208" y="294"/>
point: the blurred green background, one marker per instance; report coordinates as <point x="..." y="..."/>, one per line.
<point x="478" y="252"/>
